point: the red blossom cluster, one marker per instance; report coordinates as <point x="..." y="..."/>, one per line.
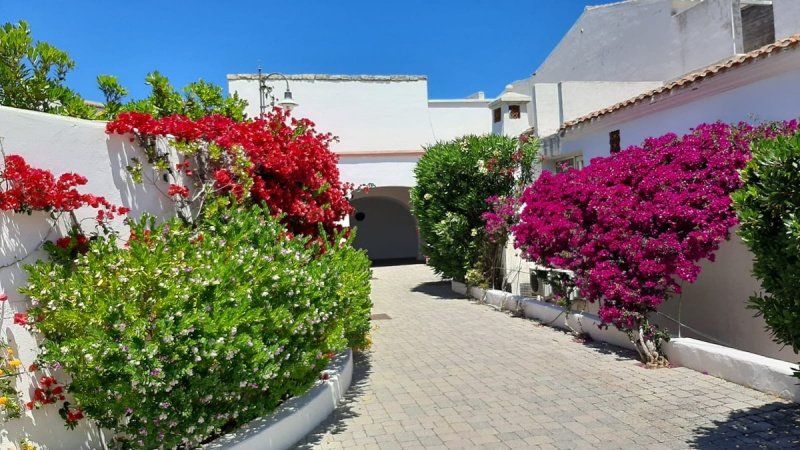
<point x="633" y="224"/>
<point x="24" y="189"/>
<point x="290" y="166"/>
<point x="48" y="394"/>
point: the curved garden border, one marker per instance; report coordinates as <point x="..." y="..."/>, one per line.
<point x="296" y="418"/>
<point x="757" y="372"/>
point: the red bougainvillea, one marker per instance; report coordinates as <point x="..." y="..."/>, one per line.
<point x="278" y="160"/>
<point x="633" y="224"/>
<point x="25" y="189"/>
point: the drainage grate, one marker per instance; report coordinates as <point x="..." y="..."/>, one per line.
<point x="380" y="316"/>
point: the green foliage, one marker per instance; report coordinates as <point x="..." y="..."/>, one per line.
<point x="454" y="179"/>
<point x="32" y="75"/>
<point x="199" y="99"/>
<point x="768" y="207"/>
<point x="113" y="93"/>
<point x="186" y="332"/>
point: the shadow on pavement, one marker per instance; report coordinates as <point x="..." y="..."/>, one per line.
<point x="621" y="354"/>
<point x="437" y="289"/>
<point x="362" y="368"/>
<point x="775" y="425"/>
<point x="396" y="262"/>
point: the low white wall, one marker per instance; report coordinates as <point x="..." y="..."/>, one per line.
<point x="61" y="145"/>
<point x="296" y="418"/>
<point x="748" y="369"/>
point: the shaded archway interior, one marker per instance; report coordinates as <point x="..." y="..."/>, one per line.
<point x="384" y="225"/>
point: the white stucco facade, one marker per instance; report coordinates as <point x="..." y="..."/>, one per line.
<point x="451" y="119"/>
<point x="645" y="40"/>
<point x="761" y="91"/>
<point x="383" y="124"/>
<point x="787" y="17"/>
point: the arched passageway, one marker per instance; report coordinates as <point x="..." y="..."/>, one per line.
<point x="384" y="224"/>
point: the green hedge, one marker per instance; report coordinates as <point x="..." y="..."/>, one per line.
<point x="768" y="207"/>
<point x="454" y="179"/>
<point x="182" y="333"/>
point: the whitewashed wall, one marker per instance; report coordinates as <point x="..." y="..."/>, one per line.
<point x="787" y="17"/>
<point x="397" y="170"/>
<point x="61" y="145"/>
<point x="367" y="113"/>
<point x="579" y="98"/>
<point x="640" y="41"/>
<point x="764" y="90"/>
<point x="556" y="103"/>
<point x="451" y="119"/>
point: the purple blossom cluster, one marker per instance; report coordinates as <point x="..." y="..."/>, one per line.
<point x="633" y="224"/>
<point x="500" y="217"/>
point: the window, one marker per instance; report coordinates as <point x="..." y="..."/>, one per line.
<point x="497" y="115"/>
<point x="513" y="111"/>
<point x="573" y="162"/>
<point x="614" y="142"/>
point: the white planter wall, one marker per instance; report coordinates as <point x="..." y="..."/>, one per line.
<point x="61" y="145"/>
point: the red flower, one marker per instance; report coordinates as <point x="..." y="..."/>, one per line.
<point x="64" y="242"/>
<point x="20" y="318"/>
<point x="181" y="191"/>
<point x="3" y="297"/>
<point x="47" y="381"/>
<point x="74" y="415"/>
<point x="33" y="367"/>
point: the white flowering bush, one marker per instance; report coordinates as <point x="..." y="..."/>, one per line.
<point x="183" y="333"/>
<point x="456" y="182"/>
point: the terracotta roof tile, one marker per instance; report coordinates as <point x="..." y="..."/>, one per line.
<point x="710" y="71"/>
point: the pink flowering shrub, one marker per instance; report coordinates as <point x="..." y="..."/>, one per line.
<point x="500" y="217"/>
<point x="632" y="225"/>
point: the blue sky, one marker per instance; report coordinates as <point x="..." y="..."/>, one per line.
<point x="463" y="46"/>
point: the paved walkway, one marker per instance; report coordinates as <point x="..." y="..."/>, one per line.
<point x="446" y="372"/>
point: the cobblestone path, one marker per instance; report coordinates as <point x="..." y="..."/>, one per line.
<point x="445" y="372"/>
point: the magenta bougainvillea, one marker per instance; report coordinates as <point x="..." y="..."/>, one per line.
<point x="632" y="225"/>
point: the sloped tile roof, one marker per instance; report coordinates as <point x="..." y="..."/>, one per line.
<point x="708" y="72"/>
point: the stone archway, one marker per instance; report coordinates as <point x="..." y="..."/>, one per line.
<point x="384" y="225"/>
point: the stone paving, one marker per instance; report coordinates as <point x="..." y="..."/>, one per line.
<point x="446" y="372"/>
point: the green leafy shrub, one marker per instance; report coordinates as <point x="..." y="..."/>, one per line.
<point x="199" y="99"/>
<point x="32" y="75"/>
<point x="182" y="333"/>
<point x="454" y="181"/>
<point x="768" y="206"/>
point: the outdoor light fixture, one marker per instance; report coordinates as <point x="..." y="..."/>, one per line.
<point x="286" y="103"/>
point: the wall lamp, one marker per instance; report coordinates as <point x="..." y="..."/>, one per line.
<point x="264" y="96"/>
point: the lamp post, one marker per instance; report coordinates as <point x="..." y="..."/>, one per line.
<point x="286" y="103"/>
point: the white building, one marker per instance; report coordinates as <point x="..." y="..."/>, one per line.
<point x="383" y="124"/>
<point x="619" y="50"/>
